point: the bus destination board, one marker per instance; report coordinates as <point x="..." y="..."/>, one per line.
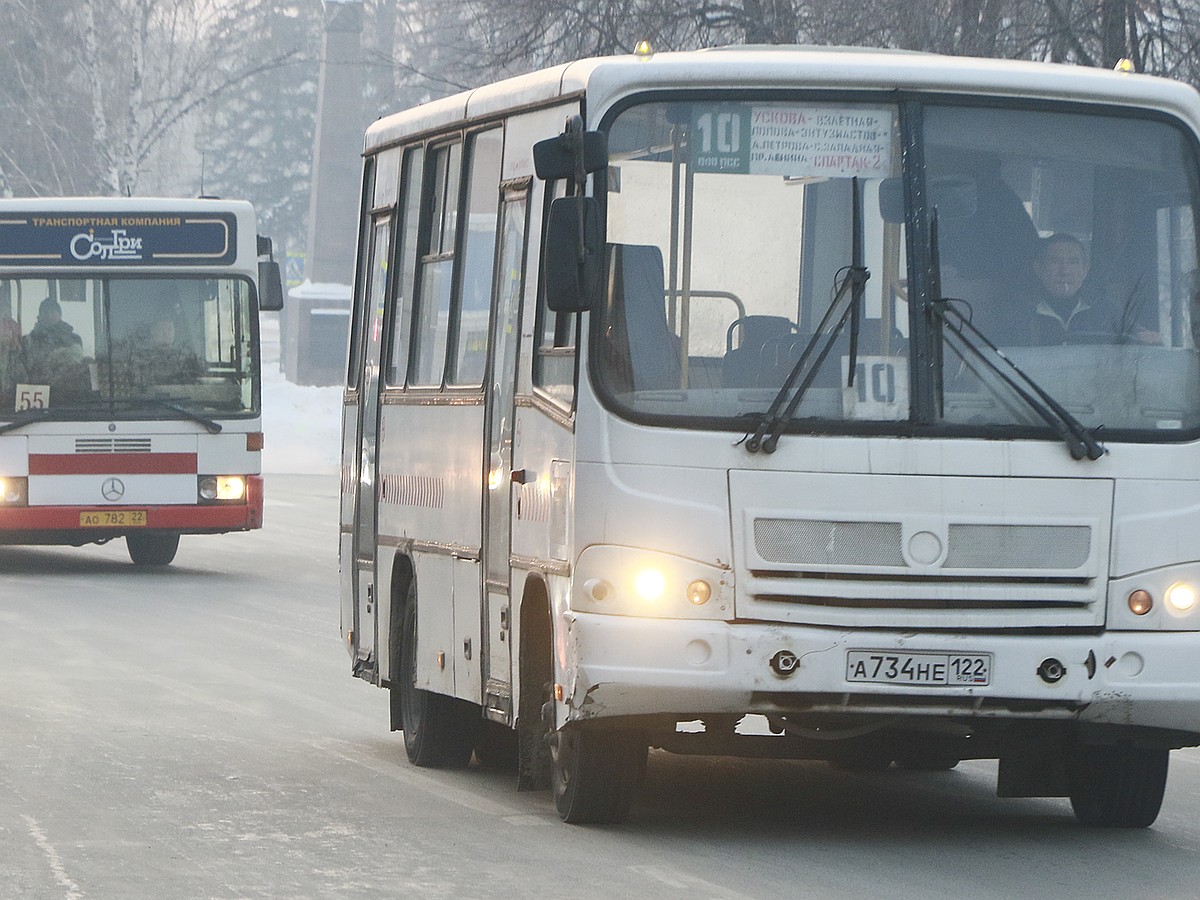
<point x="118" y="239"/>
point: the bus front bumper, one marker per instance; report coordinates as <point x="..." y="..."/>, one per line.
<point x="79" y="525"/>
<point x="624" y="666"/>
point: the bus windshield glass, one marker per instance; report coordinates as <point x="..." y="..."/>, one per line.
<point x="1066" y="237"/>
<point x="127" y="347"/>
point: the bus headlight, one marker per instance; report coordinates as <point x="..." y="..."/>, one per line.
<point x="626" y="581"/>
<point x="650" y="584"/>
<point x="1166" y="599"/>
<point x="13" y="491"/>
<point x="1180" y="597"/>
<point x="221" y="488"/>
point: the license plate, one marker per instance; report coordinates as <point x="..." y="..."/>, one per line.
<point x="113" y="518"/>
<point x="937" y="669"/>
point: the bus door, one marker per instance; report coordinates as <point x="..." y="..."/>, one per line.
<point x="498" y="506"/>
<point x="365" y="514"/>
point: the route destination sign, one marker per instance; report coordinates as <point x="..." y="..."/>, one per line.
<point x="118" y="239"/>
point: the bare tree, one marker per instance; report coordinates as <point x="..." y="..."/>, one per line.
<point x="129" y="73"/>
<point x="442" y="45"/>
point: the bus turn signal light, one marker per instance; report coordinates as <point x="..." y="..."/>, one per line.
<point x="1140" y="603"/>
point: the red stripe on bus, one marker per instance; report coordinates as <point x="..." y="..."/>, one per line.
<point x="113" y="464"/>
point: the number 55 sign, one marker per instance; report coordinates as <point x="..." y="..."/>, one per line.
<point x="32" y="396"/>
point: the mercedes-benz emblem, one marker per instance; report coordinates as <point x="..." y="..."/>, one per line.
<point x="113" y="489"/>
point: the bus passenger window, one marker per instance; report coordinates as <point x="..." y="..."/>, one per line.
<point x="431" y="323"/>
<point x="477" y="259"/>
<point x="408" y="220"/>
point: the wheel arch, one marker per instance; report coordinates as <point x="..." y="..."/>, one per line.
<point x="534" y="646"/>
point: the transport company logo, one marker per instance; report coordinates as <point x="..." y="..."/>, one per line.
<point x="118" y="245"/>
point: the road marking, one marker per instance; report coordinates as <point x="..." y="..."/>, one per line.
<point x="56" y="863"/>
<point x="690" y="883"/>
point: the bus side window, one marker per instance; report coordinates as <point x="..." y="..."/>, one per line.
<point x="554" y="336"/>
<point x="431" y="321"/>
<point x="477" y="260"/>
<point x="357" y="326"/>
<point x="408" y="220"/>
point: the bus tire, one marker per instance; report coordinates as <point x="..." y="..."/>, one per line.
<point x="594" y="774"/>
<point x="1117" y="786"/>
<point x="439" y="731"/>
<point x="152" y="549"/>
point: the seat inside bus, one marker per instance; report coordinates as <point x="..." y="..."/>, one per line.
<point x="642" y="350"/>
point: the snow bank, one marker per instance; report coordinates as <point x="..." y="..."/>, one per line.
<point x="302" y="426"/>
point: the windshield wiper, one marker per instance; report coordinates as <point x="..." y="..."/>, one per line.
<point x="778" y="414"/>
<point x="212" y="426"/>
<point x="1081" y="442"/>
<point x="28" y="416"/>
<point x="61" y="412"/>
<point x="76" y="410"/>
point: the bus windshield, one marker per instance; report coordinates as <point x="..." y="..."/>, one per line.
<point x="1066" y="237"/>
<point x="126" y="347"/>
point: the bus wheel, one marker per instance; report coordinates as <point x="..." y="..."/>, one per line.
<point x="1117" y="786"/>
<point x="149" y="549"/>
<point x="439" y="731"/>
<point x="594" y="774"/>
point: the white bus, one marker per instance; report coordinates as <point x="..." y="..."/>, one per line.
<point x="834" y="405"/>
<point x="129" y="370"/>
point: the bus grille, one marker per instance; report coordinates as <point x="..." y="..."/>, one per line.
<point x="113" y="445"/>
<point x="808" y="542"/>
<point x="921" y="552"/>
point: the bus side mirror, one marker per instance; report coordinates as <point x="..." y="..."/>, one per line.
<point x="557" y="157"/>
<point x="270" y="286"/>
<point x="572" y="254"/>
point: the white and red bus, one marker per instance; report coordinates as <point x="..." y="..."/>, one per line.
<point x="129" y="370"/>
<point x="855" y="392"/>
